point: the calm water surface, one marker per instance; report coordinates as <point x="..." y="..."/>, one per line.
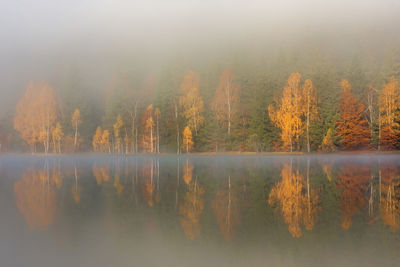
<point x="200" y="211"/>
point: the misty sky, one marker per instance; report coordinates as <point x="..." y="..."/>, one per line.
<point x="41" y="38"/>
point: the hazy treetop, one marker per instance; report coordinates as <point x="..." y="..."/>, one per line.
<point x="41" y="39"/>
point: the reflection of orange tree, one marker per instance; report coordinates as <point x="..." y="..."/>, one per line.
<point x="353" y="181"/>
<point x="191" y="209"/>
<point x="117" y="184"/>
<point x="187" y="172"/>
<point x="298" y="203"/>
<point x="389" y="201"/>
<point x="57" y="177"/>
<point x="226" y="207"/>
<point x="36" y="198"/>
<point x="149" y="185"/>
<point x="102" y="174"/>
<point x="327" y="166"/>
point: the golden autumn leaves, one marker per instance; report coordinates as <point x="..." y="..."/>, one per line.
<point x="37" y="119"/>
<point x="36" y="115"/>
<point x="295" y="112"/>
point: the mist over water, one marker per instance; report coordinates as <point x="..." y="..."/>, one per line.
<point x="200" y="210"/>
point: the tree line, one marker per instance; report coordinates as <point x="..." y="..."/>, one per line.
<point x="186" y="122"/>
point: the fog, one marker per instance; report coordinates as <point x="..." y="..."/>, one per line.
<point x="43" y="39"/>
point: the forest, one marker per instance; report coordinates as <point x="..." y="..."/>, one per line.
<point x="297" y="102"/>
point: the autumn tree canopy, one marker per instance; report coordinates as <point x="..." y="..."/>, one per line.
<point x="192" y="102"/>
<point x="353" y="126"/>
<point x="389" y="115"/>
<point x="36" y="115"/>
<point x="296" y="103"/>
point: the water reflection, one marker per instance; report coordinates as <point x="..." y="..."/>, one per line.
<point x="389" y="195"/>
<point x="226" y="206"/>
<point x="189" y="191"/>
<point x="149" y="171"/>
<point x="353" y="184"/>
<point x="243" y="206"/>
<point x="297" y="201"/>
<point x="36" y="197"/>
<point x="192" y="205"/>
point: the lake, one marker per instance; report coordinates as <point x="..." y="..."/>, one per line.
<point x="318" y="210"/>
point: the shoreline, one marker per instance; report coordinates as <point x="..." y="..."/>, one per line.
<point x="205" y="154"/>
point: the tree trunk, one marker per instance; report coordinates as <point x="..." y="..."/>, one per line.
<point x="308" y="127"/>
<point x="177" y="129"/>
<point x="76" y="135"/>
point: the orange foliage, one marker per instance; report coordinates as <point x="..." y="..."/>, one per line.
<point x="117" y="133"/>
<point x="191" y="101"/>
<point x="327" y="144"/>
<point x="97" y="140"/>
<point x="36" y="115"/>
<point x="288" y="112"/>
<point x="105" y="141"/>
<point x="149" y="134"/>
<point x="187" y="139"/>
<point x="57" y="136"/>
<point x="353" y="126"/>
<point x="389" y="116"/>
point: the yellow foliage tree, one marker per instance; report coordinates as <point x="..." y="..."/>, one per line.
<point x="57" y="137"/>
<point x="149" y="135"/>
<point x="117" y="133"/>
<point x="389" y="114"/>
<point x="288" y="111"/>
<point x="96" y="142"/>
<point x="105" y="141"/>
<point x="327" y="144"/>
<point x="36" y="115"/>
<point x="192" y="102"/>
<point x="187" y="139"/>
